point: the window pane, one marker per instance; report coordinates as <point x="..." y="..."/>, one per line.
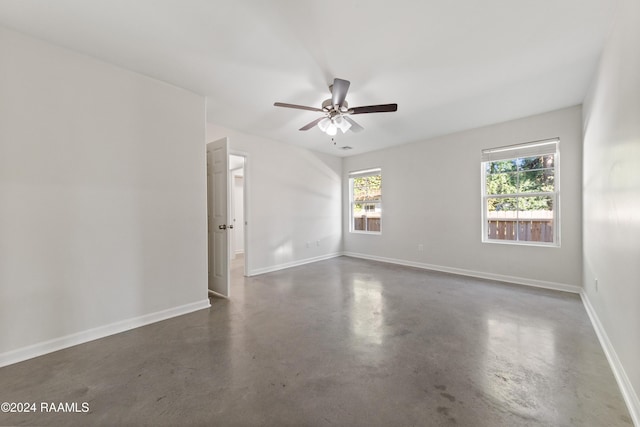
<point x="373" y="224"/>
<point x="535" y="230"/>
<point x="366" y="216"/>
<point x="536" y="162"/>
<point x="539" y="181"/>
<point x="502" y="183"/>
<point x="367" y="188"/>
<point x="502" y="207"/>
<point x="527" y="219"/>
<point x="501" y="166"/>
<point x="502" y="216"/>
<point x="535" y="206"/>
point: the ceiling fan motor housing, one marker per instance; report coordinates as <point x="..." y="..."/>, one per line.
<point x="327" y="105"/>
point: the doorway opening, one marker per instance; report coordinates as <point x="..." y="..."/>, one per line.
<point x="227" y="213"/>
<point x="237" y="243"/>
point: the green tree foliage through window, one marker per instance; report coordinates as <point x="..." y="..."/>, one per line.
<point x="367" y="188"/>
<point x="519" y="176"/>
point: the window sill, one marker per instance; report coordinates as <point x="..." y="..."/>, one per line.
<point x="521" y="243"/>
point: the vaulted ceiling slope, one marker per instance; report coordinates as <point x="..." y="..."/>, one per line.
<point x="449" y="65"/>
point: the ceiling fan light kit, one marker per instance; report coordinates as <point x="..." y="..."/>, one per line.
<point x="330" y="126"/>
<point x="336" y="111"/>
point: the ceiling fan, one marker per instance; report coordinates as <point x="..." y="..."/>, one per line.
<point x="336" y="110"/>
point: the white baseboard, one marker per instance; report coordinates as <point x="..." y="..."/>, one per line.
<point x="217" y="295"/>
<point x="39" y="349"/>
<point x="257" y="271"/>
<point x="479" y="274"/>
<point x="626" y="388"/>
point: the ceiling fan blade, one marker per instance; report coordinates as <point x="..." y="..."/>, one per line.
<point x="355" y="127"/>
<point x="312" y="124"/>
<point x="339" y="91"/>
<point x="383" y="108"/>
<point x="297" y="107"/>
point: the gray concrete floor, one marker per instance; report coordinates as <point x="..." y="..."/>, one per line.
<point x="343" y="342"/>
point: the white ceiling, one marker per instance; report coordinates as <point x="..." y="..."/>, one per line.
<point x="449" y="65"/>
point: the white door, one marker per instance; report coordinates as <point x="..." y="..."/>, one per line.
<point x="218" y="213"/>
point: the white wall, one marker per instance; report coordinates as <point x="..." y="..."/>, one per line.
<point x="102" y="199"/>
<point x="612" y="200"/>
<point x="431" y="196"/>
<point x="294" y="199"/>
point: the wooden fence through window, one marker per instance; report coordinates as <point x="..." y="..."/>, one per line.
<point x="498" y="229"/>
<point x="366" y="224"/>
<point x="528" y="230"/>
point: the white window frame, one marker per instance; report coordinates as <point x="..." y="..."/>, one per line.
<point x="529" y="149"/>
<point x="360" y="174"/>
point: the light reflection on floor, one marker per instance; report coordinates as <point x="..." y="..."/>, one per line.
<point x="367" y="317"/>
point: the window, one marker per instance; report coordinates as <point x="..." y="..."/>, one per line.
<point x="365" y="189"/>
<point x="520" y="193"/>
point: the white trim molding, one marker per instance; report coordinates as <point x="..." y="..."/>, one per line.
<point x="257" y="271"/>
<point x="626" y="388"/>
<point x="479" y="274"/>
<point x="42" y="348"/>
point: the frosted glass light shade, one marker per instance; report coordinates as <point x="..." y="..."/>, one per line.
<point x="342" y="124"/>
<point x="324" y="124"/>
<point x="330" y="126"/>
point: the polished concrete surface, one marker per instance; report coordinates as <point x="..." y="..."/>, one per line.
<point x="343" y="342"/>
